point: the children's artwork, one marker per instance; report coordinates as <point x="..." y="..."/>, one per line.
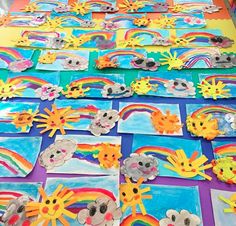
<point x="97" y="85"/>
<point x="193" y="1"/>
<point x="224" y="165"/>
<point x="70" y="20"/>
<point x="15" y="158"/>
<point x="164" y="85"/>
<point x="217" y="86"/>
<point x="118" y="21"/>
<point x="29" y="84"/>
<point x="138" y="37"/>
<point x="225" y="60"/>
<point x="165" y="148"/>
<point x="9" y="194"/>
<point x="127" y="59"/>
<point x="68" y="114"/>
<point x="93" y="39"/>
<point x="86" y="191"/>
<point x="83" y="155"/>
<point x="17" y="117"/>
<point x="185" y="58"/>
<point x="133" y="6"/>
<point x="66" y="60"/>
<point x="19" y="19"/>
<point x="42" y="39"/>
<point x="180" y="20"/>
<point x="15" y="60"/>
<point x="223" y="204"/>
<point x="157" y="119"/>
<point x="211" y="121"/>
<point x="184" y="206"/>
<point x="43" y="5"/>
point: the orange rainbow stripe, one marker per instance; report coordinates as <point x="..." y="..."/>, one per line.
<point x="98" y="2"/>
<point x="156" y="150"/>
<point x="91" y="81"/>
<point x="146" y="220"/>
<point x="93" y="34"/>
<point x="135" y="32"/>
<point x="227" y="149"/>
<point x="28" y="79"/>
<point x="116" y="53"/>
<point x="213" y="109"/>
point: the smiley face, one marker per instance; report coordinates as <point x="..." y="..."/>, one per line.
<point x="22" y="119"/>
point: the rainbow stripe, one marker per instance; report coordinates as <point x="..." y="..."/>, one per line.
<point x="98" y="2"/>
<point x="136" y="32"/>
<point x="94" y="34"/>
<point x="9" y="55"/>
<point x="65" y="55"/>
<point x="121" y="18"/>
<point x="227" y="79"/>
<point x="46" y="2"/>
<point x="40" y="35"/>
<point x="118" y="53"/>
<point x="130" y="109"/>
<point x="92" y="82"/>
<point x="87" y="112"/>
<point x="198" y="36"/>
<point x="213" y="109"/>
<point x="14" y="162"/>
<point x="193" y="7"/>
<point x="146" y="220"/>
<point x="158" y="80"/>
<point x="226" y="150"/>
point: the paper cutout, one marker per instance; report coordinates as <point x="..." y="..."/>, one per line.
<point x="147" y="64"/>
<point x="15" y="160"/>
<point x="208" y="121"/>
<point x="102" y="211"/>
<point x="231" y="202"/>
<point x="223" y="60"/>
<point x="48" y="92"/>
<point x="56" y="119"/>
<point x="15" y="212"/>
<point x="211" y="9"/>
<point x="17" y="19"/>
<point x="188" y="167"/>
<point x="184" y="217"/>
<point x="133" y="6"/>
<point x="116" y="91"/>
<point x="57" y="153"/>
<point x="222" y="41"/>
<point x="103" y="122"/>
<point x="140" y="166"/>
<point x="62" y="8"/>
<point x="66" y="60"/>
<point x="132" y="195"/>
<point x="17" y="118"/>
<point x="53" y="207"/>
<point x="231" y="118"/>
<point x="217" y="86"/>
<point x="14" y="59"/>
<point x="156" y="119"/>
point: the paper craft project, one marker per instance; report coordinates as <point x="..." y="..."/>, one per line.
<point x="133" y="6"/>
<point x="217" y="86"/>
<point x="15" y="158"/>
<point x="223" y="204"/>
<point x="86" y="191"/>
<point x="164" y="85"/>
<point x="192" y="1"/>
<point x="14" y="59"/>
<point x="17" y="117"/>
<point x="18" y="19"/>
<point x="196" y="38"/>
<point x="42" y="39"/>
<point x="68" y="114"/>
<point x="70" y="20"/>
<point x="66" y="60"/>
<point x="29" y="84"/>
<point x="43" y="5"/>
<point x="127" y="59"/>
<point x="83" y="155"/>
<point x="211" y="121"/>
<point x="193" y="7"/>
<point x="157" y="119"/>
<point x="165" y="148"/>
<point x="224" y="165"/>
<point x="118" y="21"/>
<point x="180" y="20"/>
<point x="138" y="37"/>
<point x="97" y="85"/>
<point x="185" y="58"/>
<point x="11" y="192"/>
<point x="92" y="39"/>
<point x="184" y="206"/>
<point x="224" y="60"/>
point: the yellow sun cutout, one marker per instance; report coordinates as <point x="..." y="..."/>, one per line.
<point x="188" y="167"/>
<point x="80" y="8"/>
<point x="132" y="42"/>
<point x="231" y="202"/>
<point x="131" y="195"/>
<point x="142" y="86"/>
<point x="57" y="119"/>
<point x="31" y="7"/>
<point x="52" y="208"/>
<point x="172" y="60"/>
<point x="131" y="6"/>
<point x="177" y="8"/>
<point x="48" y="58"/>
<point x="77" y="41"/>
<point x="182" y="42"/>
<point x="166" y="22"/>
<point x="75" y="91"/>
<point x="52" y="24"/>
<point x="213" y="90"/>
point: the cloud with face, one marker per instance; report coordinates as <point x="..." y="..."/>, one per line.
<point x="57" y="153"/>
<point x="102" y="212"/>
<point x="140" y="166"/>
<point x="180" y="88"/>
<point x="48" y="92"/>
<point x="182" y="218"/>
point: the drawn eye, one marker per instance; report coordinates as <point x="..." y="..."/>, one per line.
<point x="105" y="115"/>
<point x="187" y="222"/>
<point x="231" y="168"/>
<point x="20" y="209"/>
<point x="110" y="118"/>
<point x="217" y="58"/>
<point x="183" y="84"/>
<point x="123" y="193"/>
<point x="228" y="59"/>
<point x="150" y="64"/>
<point x="51" y="156"/>
<point x="176" y="83"/>
<point x="92" y="211"/>
<point x="103" y="208"/>
<point x="122" y="88"/>
<point x="139" y="61"/>
<point x="135" y="190"/>
<point x="54" y="201"/>
<point x="193" y="124"/>
<point x="47" y="202"/>
<point x="221" y="170"/>
<point x="182" y="164"/>
<point x="173" y="218"/>
<point x="140" y="163"/>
